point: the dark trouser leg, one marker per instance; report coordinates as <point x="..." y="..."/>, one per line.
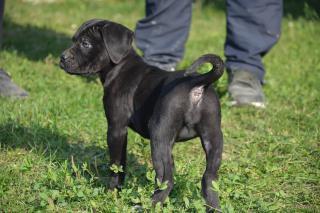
<point x="253" y="27"/>
<point x="162" y="34"/>
<point x="7" y="87"/>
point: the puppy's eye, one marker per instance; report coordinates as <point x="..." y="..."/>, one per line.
<point x="85" y="44"/>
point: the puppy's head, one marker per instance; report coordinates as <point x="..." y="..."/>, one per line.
<point x="96" y="44"/>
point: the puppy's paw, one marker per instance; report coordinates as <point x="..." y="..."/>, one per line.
<point x="212" y="201"/>
<point x="213" y="210"/>
<point x="115" y="183"/>
<point x="159" y="196"/>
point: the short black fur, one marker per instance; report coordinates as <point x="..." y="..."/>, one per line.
<point x="163" y="106"/>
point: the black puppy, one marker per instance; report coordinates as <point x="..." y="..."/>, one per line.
<point x="163" y="106"/>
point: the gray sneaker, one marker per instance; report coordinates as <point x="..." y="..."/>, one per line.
<point x="245" y="89"/>
<point x="171" y="67"/>
<point x="167" y="67"/>
<point x="10" y="89"/>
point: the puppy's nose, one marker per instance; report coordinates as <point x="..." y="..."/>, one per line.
<point x="65" y="56"/>
<point x="62" y="57"/>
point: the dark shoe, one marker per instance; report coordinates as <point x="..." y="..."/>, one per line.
<point x="10" y="89"/>
<point x="245" y="89"/>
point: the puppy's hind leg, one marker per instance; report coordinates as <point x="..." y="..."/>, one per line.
<point x="212" y="143"/>
<point x="162" y="140"/>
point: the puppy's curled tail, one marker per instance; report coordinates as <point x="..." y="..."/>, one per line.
<point x="208" y="78"/>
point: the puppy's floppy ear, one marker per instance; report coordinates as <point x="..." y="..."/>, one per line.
<point x="118" y="41"/>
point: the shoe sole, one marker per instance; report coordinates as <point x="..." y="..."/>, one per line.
<point x="259" y="105"/>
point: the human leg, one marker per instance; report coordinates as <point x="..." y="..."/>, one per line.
<point x="162" y="34"/>
<point x="253" y="28"/>
<point x="7" y="87"/>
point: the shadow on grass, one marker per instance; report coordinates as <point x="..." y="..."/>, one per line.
<point x="36" y="43"/>
<point x="60" y="148"/>
<point x="308" y="9"/>
<point x="32" y="42"/>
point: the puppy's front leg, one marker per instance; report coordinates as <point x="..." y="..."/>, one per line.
<point x="117" y="144"/>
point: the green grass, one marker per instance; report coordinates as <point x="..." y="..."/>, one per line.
<point x="53" y="153"/>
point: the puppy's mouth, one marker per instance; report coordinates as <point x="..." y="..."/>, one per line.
<point x="62" y="65"/>
<point x="68" y="67"/>
<point x="65" y="66"/>
<point x="67" y="62"/>
<point x="72" y="69"/>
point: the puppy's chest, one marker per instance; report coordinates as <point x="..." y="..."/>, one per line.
<point x="118" y="102"/>
<point x="143" y="108"/>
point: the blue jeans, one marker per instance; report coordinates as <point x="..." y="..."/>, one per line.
<point x="253" y="27"/>
<point x="162" y="34"/>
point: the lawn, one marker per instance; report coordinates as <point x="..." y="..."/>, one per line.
<point x="53" y="152"/>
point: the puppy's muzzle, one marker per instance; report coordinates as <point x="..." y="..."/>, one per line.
<point x="65" y="59"/>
